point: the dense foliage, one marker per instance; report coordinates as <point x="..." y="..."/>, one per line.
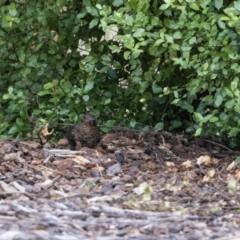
<point x="171" y="64"/>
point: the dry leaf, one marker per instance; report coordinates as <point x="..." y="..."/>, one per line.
<point x="211" y="172"/>
<point x="232" y="184"/>
<point x="206" y="160"/>
<point x="14" y="157"/>
<point x="80" y="160"/>
<point x="237" y="174"/>
<point x="46" y="184"/>
<point x="170" y="164"/>
<point x="187" y="164"/>
<point x="232" y="166"/>
<point x="108" y="138"/>
<point x="206" y="179"/>
<point x="215" y="161"/>
<point x="44" y="132"/>
<point x="143" y="188"/>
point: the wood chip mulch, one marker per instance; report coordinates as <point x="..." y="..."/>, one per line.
<point x="131" y="186"/>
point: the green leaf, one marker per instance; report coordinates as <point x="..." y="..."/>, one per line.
<point x="48" y="85"/>
<point x="214" y="119"/>
<point x="105" y="129"/>
<point x="230" y="104"/>
<point x="223" y="116"/>
<point x="133" y="4"/>
<point x="117" y="3"/>
<point x="192" y="40"/>
<point x="207" y="118"/>
<point x="205" y="66"/>
<point x="81" y="15"/>
<point x="25" y="71"/>
<point x="20" y="93"/>
<point x="147" y="96"/>
<point x="106" y="58"/>
<point x="221" y="24"/>
<point x="99" y="6"/>
<point x="234" y="131"/>
<point x="158" y="126"/>
<point x="186" y="48"/>
<point x="43" y="93"/>
<point x="198" y="116"/>
<point x="13" y="130"/>
<point x="189" y="108"/>
<point x="198" y="132"/>
<point x="218" y="4"/>
<point x="218" y="100"/>
<point x="143" y="86"/>
<point x="7" y="96"/>
<point x="85" y="98"/>
<point x="64" y="111"/>
<point x="93" y="11"/>
<point x="38" y="46"/>
<point x="88" y="87"/>
<point x="139" y="32"/>
<point x="126" y="55"/>
<point x="93" y="23"/>
<point x="67" y="85"/>
<point x="136" y="53"/>
<point x="177" y="35"/>
<point x="68" y="73"/>
<point x="5" y="137"/>
<point x="237" y="160"/>
<point x="133" y="123"/>
<point x="237" y="5"/>
<point x="110" y="123"/>
<point x="32" y="60"/>
<point x="158" y="42"/>
<point x="175" y="124"/>
<point x="228" y="92"/>
<point x="175" y="101"/>
<point x="114" y="48"/>
<point x="49" y="111"/>
<point x="12" y="10"/>
<point x="10" y="89"/>
<point x="174" y="47"/>
<point x="234" y="83"/>
<point x="164" y="6"/>
<point x="175" y="93"/>
<point x="169" y="38"/>
<point x="156" y="88"/>
<point x="224" y="18"/>
<point x="194" y="6"/>
<point x="155" y="21"/>
<point x="2" y="42"/>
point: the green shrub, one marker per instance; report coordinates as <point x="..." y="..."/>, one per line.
<point x="170" y="64"/>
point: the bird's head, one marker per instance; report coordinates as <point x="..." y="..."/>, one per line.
<point x="90" y="119"/>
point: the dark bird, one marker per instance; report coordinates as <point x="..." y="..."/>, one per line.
<point x="87" y="133"/>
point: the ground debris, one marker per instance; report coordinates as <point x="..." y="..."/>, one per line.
<point x="131" y="186"/>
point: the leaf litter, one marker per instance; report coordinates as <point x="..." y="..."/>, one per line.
<point x="131" y="186"/>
